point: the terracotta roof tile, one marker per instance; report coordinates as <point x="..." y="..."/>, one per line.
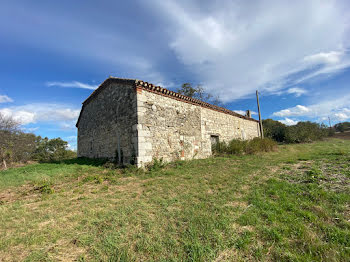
<point x="161" y="91"/>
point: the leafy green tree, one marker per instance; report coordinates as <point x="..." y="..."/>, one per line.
<point x="300" y="133"/>
<point x="25" y="144"/>
<point x="306" y="132"/>
<point x="342" y="127"/>
<point x="198" y="92"/>
<point x="18" y="146"/>
<point x="275" y="130"/>
<point x="52" y="150"/>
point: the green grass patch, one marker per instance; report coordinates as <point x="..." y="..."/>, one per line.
<point x="287" y="205"/>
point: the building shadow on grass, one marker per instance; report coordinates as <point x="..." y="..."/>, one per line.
<point x="81" y="161"/>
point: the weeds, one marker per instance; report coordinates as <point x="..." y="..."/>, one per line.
<point x="156" y="165"/>
<point x="98" y="179"/>
<point x="238" y="147"/>
<point x="44" y="187"/>
<point x="313" y="175"/>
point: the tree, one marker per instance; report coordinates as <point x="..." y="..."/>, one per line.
<point x="341" y="127"/>
<point x="18" y="146"/>
<point x="198" y="92"/>
<point x="300" y="133"/>
<point x="8" y="123"/>
<point x="187" y="90"/>
<point x="52" y="150"/>
<point x="306" y="132"/>
<point x="15" y="145"/>
<point x="8" y="130"/>
<point x="275" y="130"/>
<point x="25" y="144"/>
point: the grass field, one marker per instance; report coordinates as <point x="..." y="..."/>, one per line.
<point x="289" y="205"/>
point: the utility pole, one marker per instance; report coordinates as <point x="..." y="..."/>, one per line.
<point x="329" y="119"/>
<point x="260" y="122"/>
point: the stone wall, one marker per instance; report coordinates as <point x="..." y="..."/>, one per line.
<point x="107" y="124"/>
<point x="172" y="129"/>
<point x="225" y="127"/>
<point x="167" y="128"/>
<point x="122" y="120"/>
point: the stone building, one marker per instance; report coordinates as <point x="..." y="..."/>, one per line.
<point x="132" y="121"/>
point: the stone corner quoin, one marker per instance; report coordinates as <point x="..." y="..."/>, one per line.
<point x="134" y="122"/>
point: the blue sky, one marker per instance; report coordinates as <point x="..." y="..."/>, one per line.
<point x="54" y="53"/>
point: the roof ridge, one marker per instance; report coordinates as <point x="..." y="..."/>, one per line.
<point x="161" y="91"/>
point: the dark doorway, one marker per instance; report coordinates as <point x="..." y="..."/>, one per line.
<point x="214" y="140"/>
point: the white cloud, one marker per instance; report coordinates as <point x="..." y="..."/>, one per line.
<point x="337" y="109"/>
<point x="343" y="115"/>
<point x="297" y="91"/>
<point x="242" y="112"/>
<point x="298" y="110"/>
<point x="21" y="116"/>
<point x="41" y="112"/>
<point x="73" y="84"/>
<point x="332" y="57"/>
<point x="327" y="70"/>
<point x="5" y="99"/>
<point x="231" y="47"/>
<point x="288" y="122"/>
<point x="235" y="47"/>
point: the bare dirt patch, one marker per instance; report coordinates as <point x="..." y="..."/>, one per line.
<point x="19" y="252"/>
<point x="67" y="250"/>
<point x="345" y="135"/>
<point x="227" y="255"/>
<point x="25" y="192"/>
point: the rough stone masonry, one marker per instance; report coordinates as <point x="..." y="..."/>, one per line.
<point x="133" y="122"/>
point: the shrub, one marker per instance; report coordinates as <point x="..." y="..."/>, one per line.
<point x="268" y="144"/>
<point x="331" y="132"/>
<point x="254" y="146"/>
<point x="237" y="147"/>
<point x="220" y="148"/>
<point x="260" y="145"/>
<point x="275" y="130"/>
